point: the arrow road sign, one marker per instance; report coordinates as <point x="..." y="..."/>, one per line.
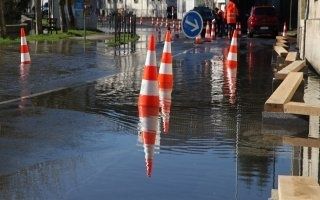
<point x="192" y="24"/>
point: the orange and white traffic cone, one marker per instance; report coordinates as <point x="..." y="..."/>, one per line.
<point x="177" y="32"/>
<point x="24" y="49"/>
<point x="140" y="21"/>
<point x="161" y="23"/>
<point x="173" y="29"/>
<point x="152" y="22"/>
<point x="165" y="80"/>
<point x="207" y="36"/>
<point x="213" y="31"/>
<point x="198" y="39"/>
<point x="284" y="32"/>
<point x="157" y="21"/>
<point x="231" y="66"/>
<point x="149" y="94"/>
<point x="148" y="104"/>
<point x="232" y="59"/>
<point x="166" y="24"/>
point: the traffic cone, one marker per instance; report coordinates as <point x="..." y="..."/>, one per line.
<point x="24" y="49"/>
<point x="232" y="59"/>
<point x="213" y="31"/>
<point x="198" y="39"/>
<point x="161" y="23"/>
<point x="207" y="36"/>
<point x="284" y="32"/>
<point x="231" y="67"/>
<point x="140" y="21"/>
<point x="177" y="32"/>
<point x="149" y="93"/>
<point x="173" y="29"/>
<point x="166" y="23"/>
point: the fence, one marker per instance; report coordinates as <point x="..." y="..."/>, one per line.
<point x="123" y="26"/>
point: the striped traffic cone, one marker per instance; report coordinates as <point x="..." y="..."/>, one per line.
<point x="173" y="29"/>
<point x="149" y="94"/>
<point x="284" y="32"/>
<point x="148" y="104"/>
<point x="213" y="31"/>
<point x="232" y="59"/>
<point x="198" y="39"/>
<point x="166" y="24"/>
<point x="207" y="36"/>
<point x="165" y="80"/>
<point x="177" y="32"/>
<point x="161" y="23"/>
<point x="24" y="49"/>
<point x="231" y="67"/>
<point x="157" y="21"/>
<point x="140" y="21"/>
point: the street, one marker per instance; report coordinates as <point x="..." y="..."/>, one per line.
<point x="76" y="137"/>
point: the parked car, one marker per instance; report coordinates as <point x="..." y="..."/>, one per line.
<point x="263" y="20"/>
<point x="207" y="16"/>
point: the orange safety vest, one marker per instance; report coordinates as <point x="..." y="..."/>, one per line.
<point x="231" y="13"/>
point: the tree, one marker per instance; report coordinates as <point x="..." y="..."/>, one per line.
<point x="38" y="19"/>
<point x="70" y="13"/>
<point x="2" y="20"/>
<point x="63" y="20"/>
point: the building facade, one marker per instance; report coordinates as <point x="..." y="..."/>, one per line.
<point x="309" y="32"/>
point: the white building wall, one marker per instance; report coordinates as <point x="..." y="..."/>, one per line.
<point x="312" y="38"/>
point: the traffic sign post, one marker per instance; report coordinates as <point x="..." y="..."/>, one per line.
<point x="192" y="24"/>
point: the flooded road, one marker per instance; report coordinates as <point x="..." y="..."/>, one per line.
<point x="83" y="142"/>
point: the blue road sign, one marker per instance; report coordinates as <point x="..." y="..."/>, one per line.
<point x="192" y="24"/>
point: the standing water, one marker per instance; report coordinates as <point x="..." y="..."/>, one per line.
<point x="84" y="143"/>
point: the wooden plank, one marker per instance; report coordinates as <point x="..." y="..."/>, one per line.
<point x="298" y="141"/>
<point x="302" y="108"/>
<point x="282" y="45"/>
<point x="284" y="92"/>
<point x="282" y="41"/>
<point x="279" y="37"/>
<point x="280" y="51"/>
<point x="292" y="56"/>
<point x="298" y="188"/>
<point x="292" y="67"/>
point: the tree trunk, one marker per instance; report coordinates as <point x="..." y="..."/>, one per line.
<point x="63" y="20"/>
<point x="70" y="13"/>
<point x="2" y="20"/>
<point x="38" y="17"/>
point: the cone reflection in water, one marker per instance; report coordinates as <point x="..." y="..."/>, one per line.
<point x="165" y="80"/>
<point x="148" y="117"/>
<point x="148" y="104"/>
<point x="284" y="32"/>
<point x="25" y="90"/>
<point x="24" y="49"/>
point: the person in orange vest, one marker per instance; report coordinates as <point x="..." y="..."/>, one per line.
<point x="231" y="16"/>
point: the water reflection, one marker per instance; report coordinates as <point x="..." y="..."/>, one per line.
<point x="24" y="82"/>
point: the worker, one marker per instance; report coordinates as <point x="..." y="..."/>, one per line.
<point x="231" y="15"/>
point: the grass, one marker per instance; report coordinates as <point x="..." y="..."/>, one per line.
<point x="124" y="39"/>
<point x="49" y="37"/>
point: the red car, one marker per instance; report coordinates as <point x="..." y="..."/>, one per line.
<point x="263" y="20"/>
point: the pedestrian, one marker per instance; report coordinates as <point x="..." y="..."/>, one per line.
<point x="220" y="22"/>
<point x="231" y="15"/>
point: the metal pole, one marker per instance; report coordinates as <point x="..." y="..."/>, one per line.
<point x="84" y="23"/>
<point x="290" y="15"/>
